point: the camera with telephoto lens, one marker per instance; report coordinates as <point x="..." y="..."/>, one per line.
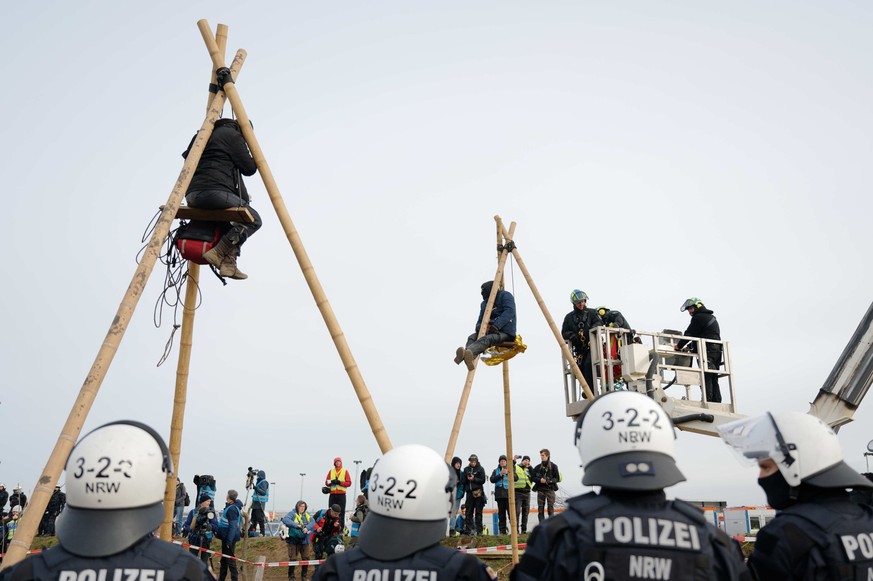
<point x="202" y="522"/>
<point x="250" y="477"/>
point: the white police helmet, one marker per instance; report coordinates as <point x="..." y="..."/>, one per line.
<point x="626" y="441"/>
<point x="803" y="447"/>
<point x="412" y="492"/>
<point x="116" y="477"/>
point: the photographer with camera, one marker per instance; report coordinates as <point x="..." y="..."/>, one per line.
<point x="259" y="497"/>
<point x="300" y="524"/>
<point x="474" y="481"/>
<point x="205" y="484"/>
<point x="200" y="527"/>
<point x="328" y="531"/>
<point x="545" y="477"/>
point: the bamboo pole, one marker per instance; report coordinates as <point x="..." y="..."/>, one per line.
<point x="557" y="333"/>
<point x="507" y="417"/>
<point x="38" y="501"/>
<point x="180" y="398"/>
<point x="486" y="316"/>
<point x="308" y="270"/>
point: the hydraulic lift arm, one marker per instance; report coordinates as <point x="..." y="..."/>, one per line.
<point x="850" y="378"/>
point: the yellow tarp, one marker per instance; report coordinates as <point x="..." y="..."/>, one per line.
<point x="496" y="355"/>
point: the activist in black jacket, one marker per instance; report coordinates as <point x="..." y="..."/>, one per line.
<point x="217" y="183"/>
<point x="226" y="156"/>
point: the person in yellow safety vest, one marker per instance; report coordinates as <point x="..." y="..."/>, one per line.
<point x="523" y="486"/>
<point x="338" y="480"/>
<point x="10" y="525"/>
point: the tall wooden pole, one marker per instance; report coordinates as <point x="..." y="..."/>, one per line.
<point x="557" y="333"/>
<point x="510" y="462"/>
<point x="38" y="501"/>
<point x="192" y="286"/>
<point x="315" y="288"/>
<point x="486" y="316"/>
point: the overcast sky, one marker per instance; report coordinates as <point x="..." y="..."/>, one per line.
<point x="649" y="151"/>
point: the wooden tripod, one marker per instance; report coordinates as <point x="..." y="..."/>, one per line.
<point x="69" y="434"/>
<point x="505" y="245"/>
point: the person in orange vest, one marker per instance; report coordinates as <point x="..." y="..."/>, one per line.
<point x="338" y="480"/>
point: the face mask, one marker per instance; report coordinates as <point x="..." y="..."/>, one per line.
<point x="777" y="490"/>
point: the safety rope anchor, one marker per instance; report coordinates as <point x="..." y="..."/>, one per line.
<point x="223" y="76"/>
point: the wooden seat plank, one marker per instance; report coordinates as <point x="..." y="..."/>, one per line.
<point x="240" y="214"/>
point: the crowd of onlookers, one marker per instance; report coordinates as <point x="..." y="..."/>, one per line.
<point x="471" y="494"/>
<point x="17" y="501"/>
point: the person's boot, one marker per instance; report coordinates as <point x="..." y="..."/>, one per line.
<point x="459" y="355"/>
<point x="469" y="359"/>
<point x="291" y="574"/>
<point x="303" y="569"/>
<point x="218" y="253"/>
<point x="230" y="269"/>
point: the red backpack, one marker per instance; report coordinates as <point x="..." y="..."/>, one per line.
<point x="195" y="238"/>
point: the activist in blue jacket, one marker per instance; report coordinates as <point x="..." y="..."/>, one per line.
<point x="501" y="326"/>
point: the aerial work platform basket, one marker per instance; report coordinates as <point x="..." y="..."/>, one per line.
<point x="651" y="366"/>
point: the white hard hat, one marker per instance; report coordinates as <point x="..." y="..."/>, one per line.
<point x="626" y="441"/>
<point x="412" y="492"/>
<point x="803" y="447"/>
<point x="116" y="477"/>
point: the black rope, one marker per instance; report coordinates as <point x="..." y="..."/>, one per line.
<point x="176" y="274"/>
<point x="169" y="346"/>
<point x="213" y="88"/>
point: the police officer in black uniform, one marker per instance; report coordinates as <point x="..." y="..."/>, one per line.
<point x="818" y="533"/>
<point x="630" y="530"/>
<point x="577" y="329"/>
<point x="704" y="325"/>
<point x="115" y="482"/>
<point x="412" y="493"/>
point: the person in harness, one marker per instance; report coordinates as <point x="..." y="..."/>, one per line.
<point x="704" y="326"/>
<point x="629" y="530"/>
<point x="412" y="494"/>
<point x="577" y="329"/>
<point x="217" y="184"/>
<point x="818" y="533"/>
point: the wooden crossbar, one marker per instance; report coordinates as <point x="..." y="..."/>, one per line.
<point x="240" y="214"/>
